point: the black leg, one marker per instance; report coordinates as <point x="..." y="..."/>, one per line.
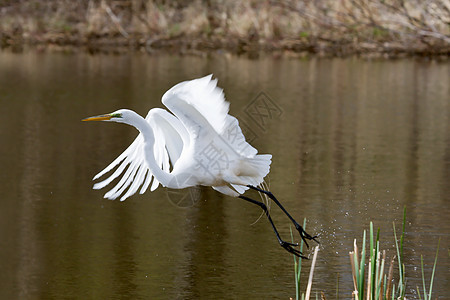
<point x="299" y="228"/>
<point x="285" y="245"/>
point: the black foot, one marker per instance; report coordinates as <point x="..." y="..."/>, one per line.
<point x="289" y="248"/>
<point x="305" y="236"/>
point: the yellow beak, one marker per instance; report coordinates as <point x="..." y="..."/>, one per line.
<point x="98" y="118"/>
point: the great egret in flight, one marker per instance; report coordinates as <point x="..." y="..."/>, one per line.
<point x="199" y="144"/>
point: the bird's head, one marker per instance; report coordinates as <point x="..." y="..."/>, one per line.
<point x="120" y="116"/>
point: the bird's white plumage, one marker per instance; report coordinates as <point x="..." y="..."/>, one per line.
<point x="203" y="95"/>
<point x="232" y="133"/>
<point x="200" y="120"/>
<point x="138" y="174"/>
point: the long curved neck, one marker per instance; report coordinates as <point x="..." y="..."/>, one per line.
<point x="144" y="127"/>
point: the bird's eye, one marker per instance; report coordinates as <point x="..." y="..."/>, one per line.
<point x="116" y="115"/>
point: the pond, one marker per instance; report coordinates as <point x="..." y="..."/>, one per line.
<point x="352" y="140"/>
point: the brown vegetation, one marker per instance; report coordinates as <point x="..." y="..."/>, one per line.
<point x="302" y="26"/>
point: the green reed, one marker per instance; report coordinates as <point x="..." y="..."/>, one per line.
<point x="374" y="279"/>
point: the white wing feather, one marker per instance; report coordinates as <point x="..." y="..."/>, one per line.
<point x="204" y="95"/>
<point x="125" y="158"/>
<point x="169" y="142"/>
<point x="232" y="133"/>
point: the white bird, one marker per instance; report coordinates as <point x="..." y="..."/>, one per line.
<point x="199" y="144"/>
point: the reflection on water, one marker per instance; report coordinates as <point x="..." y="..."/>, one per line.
<point x="352" y="141"/>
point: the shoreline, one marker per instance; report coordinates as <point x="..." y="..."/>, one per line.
<point x="298" y="28"/>
<point x="203" y="46"/>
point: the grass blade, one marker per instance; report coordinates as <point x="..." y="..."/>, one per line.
<point x="362" y="267"/>
<point x="296" y="267"/>
<point x="298" y="264"/>
<point x="372" y="255"/>
<point x="423" y="279"/>
<point x="434" y="268"/>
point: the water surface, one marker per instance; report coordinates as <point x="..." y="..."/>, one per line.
<point x="352" y="141"/>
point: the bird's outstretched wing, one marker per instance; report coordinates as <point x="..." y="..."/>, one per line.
<point x="170" y="138"/>
<point x="205" y="97"/>
<point x="200" y="105"/>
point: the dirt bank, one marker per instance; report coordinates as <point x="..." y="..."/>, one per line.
<point x="336" y="28"/>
